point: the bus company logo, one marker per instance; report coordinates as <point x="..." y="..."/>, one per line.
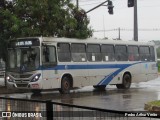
<point x="6" y="114"/>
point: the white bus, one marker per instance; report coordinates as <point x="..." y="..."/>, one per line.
<point x="43" y="63"/>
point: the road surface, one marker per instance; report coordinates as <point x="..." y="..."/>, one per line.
<point x="112" y="98"/>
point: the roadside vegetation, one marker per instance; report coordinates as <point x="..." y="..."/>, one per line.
<point x="155" y="103"/>
<point x="153" y="106"/>
<point x="158" y="66"/>
<point x="158" y="55"/>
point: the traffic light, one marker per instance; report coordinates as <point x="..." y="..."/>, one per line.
<point x="130" y="3"/>
<point x="110" y="7"/>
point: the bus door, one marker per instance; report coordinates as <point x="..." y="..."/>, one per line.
<point x="49" y="63"/>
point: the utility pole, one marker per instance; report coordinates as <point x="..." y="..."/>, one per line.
<point x="133" y="3"/>
<point x="135" y="21"/>
<point x="77" y="2"/>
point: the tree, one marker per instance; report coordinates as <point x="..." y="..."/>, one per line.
<point x="158" y="52"/>
<point x="7" y="25"/>
<point x="50" y="18"/>
<point x="25" y="18"/>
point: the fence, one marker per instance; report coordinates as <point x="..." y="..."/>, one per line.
<point x="24" y="109"/>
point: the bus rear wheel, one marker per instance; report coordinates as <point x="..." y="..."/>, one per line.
<point x="65" y="85"/>
<point x="126" y="82"/>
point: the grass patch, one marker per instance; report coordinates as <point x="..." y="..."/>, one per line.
<point x="158" y="66"/>
<point x="155" y="103"/>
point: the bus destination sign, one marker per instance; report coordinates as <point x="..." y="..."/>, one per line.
<point x="24" y="43"/>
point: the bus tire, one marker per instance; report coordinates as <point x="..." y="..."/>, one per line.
<point x="126" y="82"/>
<point x="65" y="85"/>
<point x="100" y="88"/>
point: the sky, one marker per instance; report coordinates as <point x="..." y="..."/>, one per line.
<point x="100" y="19"/>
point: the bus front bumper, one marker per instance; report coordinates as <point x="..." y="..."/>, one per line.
<point x="34" y="85"/>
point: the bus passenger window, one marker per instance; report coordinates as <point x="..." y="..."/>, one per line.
<point x="133" y="53"/>
<point x="121" y="53"/>
<point x="78" y="52"/>
<point x="64" y="54"/>
<point x="144" y="53"/>
<point x="107" y="52"/>
<point x="94" y="53"/>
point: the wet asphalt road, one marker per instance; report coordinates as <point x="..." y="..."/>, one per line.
<point x="112" y="98"/>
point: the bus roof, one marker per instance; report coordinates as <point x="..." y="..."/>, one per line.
<point x="50" y="40"/>
<point x="93" y="40"/>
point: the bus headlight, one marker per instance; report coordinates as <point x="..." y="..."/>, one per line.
<point x="36" y="78"/>
<point x="8" y="78"/>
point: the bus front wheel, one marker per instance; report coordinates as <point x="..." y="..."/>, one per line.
<point x="126" y="82"/>
<point x="65" y="85"/>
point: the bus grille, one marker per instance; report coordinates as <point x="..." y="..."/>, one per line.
<point x="22" y="85"/>
<point x="20" y="81"/>
<point x="21" y="75"/>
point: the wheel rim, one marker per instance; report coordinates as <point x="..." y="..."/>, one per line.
<point x="66" y="85"/>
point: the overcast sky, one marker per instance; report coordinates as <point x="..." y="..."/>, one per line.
<point x="148" y="18"/>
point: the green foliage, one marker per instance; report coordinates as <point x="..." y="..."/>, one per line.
<point x="158" y="52"/>
<point x="158" y="66"/>
<point x="25" y="18"/>
<point x="155" y="103"/>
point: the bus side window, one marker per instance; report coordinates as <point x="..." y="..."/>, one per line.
<point x="94" y="52"/>
<point x="64" y="54"/>
<point x="121" y="53"/>
<point x="133" y="53"/>
<point x="107" y="52"/>
<point x="144" y="53"/>
<point x="78" y="52"/>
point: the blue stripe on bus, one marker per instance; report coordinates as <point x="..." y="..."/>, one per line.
<point x="108" y="78"/>
<point x="92" y="66"/>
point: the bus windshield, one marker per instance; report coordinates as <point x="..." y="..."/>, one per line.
<point x="23" y="59"/>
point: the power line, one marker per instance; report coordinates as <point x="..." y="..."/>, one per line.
<point x="126" y="29"/>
